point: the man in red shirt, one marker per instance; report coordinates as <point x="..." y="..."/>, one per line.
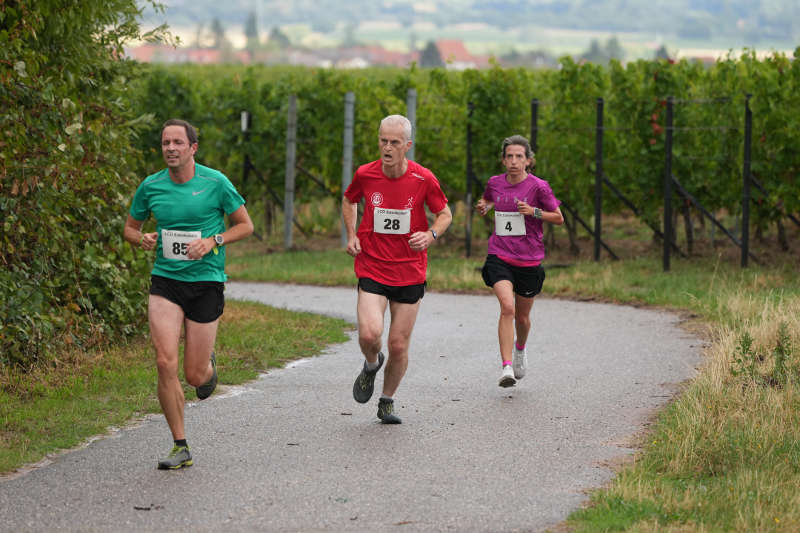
<point x="390" y="250"/>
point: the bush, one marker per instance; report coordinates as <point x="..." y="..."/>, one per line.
<point x="67" y="171"/>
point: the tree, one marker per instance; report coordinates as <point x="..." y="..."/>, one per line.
<point x="350" y="35"/>
<point x="218" y="32"/>
<point x="251" y="32"/>
<point x="614" y="49"/>
<point x="430" y="56"/>
<point x="68" y="168"/>
<point x="662" y="52"/>
<point x="278" y="39"/>
<point x="595" y="54"/>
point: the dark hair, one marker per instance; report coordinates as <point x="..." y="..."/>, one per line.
<point x="519" y="140"/>
<point x="191" y="132"/>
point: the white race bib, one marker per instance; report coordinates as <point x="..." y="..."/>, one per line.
<point x="395" y="221"/>
<point x="175" y="243"/>
<point x="509" y="223"/>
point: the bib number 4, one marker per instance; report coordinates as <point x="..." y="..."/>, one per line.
<point x="509" y="223"/>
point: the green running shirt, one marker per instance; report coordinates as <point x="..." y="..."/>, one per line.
<point x="184" y="212"/>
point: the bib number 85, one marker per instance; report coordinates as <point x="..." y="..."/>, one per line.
<point x="175" y="244"/>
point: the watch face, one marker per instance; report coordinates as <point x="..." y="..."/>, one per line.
<point x="219" y="240"/>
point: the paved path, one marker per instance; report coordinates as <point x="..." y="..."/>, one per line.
<point x="292" y="451"/>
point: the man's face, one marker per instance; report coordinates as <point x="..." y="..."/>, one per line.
<point x="175" y="147"/>
<point x="392" y="144"/>
<point x="515" y="159"/>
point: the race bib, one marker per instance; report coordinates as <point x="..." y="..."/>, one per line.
<point x="175" y="243"/>
<point x="509" y="223"/>
<point x="395" y="221"/>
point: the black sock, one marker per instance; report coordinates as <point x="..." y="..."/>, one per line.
<point x="181" y="442"/>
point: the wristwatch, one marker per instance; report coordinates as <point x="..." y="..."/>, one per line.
<point x="435" y="236"/>
<point x="219" y="240"/>
<point x="537" y="213"/>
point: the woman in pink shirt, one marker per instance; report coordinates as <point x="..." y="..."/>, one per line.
<point x="521" y="202"/>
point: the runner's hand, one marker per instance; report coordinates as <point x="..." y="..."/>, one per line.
<point x="354" y="246"/>
<point x="483" y="206"/>
<point x="199" y="247"/>
<point x="148" y="241"/>
<point x="524" y="208"/>
<point x="420" y="240"/>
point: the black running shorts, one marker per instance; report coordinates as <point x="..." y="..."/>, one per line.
<point x="527" y="281"/>
<point x="201" y="301"/>
<point x="406" y="294"/>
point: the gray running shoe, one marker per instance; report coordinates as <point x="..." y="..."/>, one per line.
<point x="520" y="363"/>
<point x="386" y="412"/>
<point x="365" y="382"/>
<point x="177" y="458"/>
<point x="204" y="391"/>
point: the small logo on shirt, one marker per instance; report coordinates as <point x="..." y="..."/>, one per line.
<point x="195" y="193"/>
<point x="377" y="199"/>
<point x="418" y="176"/>
<point x="409" y="203"/>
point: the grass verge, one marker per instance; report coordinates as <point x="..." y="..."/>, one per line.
<point x="59" y="407"/>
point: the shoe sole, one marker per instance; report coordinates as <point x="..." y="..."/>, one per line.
<point x="212" y="384"/>
<point x="507" y="381"/>
<point x="176" y="467"/>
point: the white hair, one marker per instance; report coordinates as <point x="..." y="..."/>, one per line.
<point x="398" y="120"/>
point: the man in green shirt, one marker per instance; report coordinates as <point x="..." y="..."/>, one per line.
<point x="189" y="202"/>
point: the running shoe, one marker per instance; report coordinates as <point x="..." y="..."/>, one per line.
<point x="386" y="412"/>
<point x="507" y="377"/>
<point x="177" y="458"/>
<point x="365" y="382"/>
<point x="520" y="362"/>
<point x="204" y="391"/>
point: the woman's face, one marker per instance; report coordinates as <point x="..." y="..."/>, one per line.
<point x="515" y="160"/>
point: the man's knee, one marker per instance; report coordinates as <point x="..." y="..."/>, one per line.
<point x="369" y="336"/>
<point x="196" y="376"/>
<point x="166" y="361"/>
<point x="398" y="345"/>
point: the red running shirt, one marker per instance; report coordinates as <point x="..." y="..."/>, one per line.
<point x="387" y="258"/>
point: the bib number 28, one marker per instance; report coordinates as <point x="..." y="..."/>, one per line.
<point x="392" y="221"/>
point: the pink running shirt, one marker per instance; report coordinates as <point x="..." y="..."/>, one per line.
<point x="532" y="190"/>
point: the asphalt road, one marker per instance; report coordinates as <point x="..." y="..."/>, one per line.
<point x="293" y="451"/>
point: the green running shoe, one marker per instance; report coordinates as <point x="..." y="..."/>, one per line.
<point x="386" y="412"/>
<point x="204" y="391"/>
<point x="365" y="382"/>
<point x="177" y="458"/>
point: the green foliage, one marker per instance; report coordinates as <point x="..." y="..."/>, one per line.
<point x="707" y="137"/>
<point x="747" y="361"/>
<point x="66" y="172"/>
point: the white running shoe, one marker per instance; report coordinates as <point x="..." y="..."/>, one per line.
<point x="507" y="377"/>
<point x="520" y="362"/>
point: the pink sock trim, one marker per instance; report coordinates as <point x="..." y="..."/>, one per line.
<point x="520" y="348"/>
<point x="506" y="363"/>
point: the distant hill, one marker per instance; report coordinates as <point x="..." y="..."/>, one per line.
<point x="738" y="22"/>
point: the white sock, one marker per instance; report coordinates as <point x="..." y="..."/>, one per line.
<point x="387" y="398"/>
<point x="372" y="366"/>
